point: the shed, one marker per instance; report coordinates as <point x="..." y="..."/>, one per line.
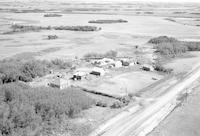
<point x="147" y="67"/>
<point x="98" y="71"/>
<point x="60" y="83"/>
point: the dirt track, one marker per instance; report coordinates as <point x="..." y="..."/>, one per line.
<point x="143" y="119"/>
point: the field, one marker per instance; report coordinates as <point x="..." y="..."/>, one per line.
<point x="137" y="31"/>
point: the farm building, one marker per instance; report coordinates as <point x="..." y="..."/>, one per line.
<point x="60" y="83"/>
<point x="104" y="62"/>
<point x="147" y="67"/>
<point x="118" y="64"/>
<point x="98" y="71"/>
<point x="79" y="75"/>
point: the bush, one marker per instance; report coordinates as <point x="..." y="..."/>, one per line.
<point x="27" y="111"/>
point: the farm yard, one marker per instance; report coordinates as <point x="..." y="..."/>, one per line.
<point x="87" y="63"/>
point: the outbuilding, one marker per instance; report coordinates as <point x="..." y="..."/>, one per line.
<point x="98" y="71"/>
<point x="60" y="83"/>
<point x="147" y="67"/>
<point x="78" y="75"/>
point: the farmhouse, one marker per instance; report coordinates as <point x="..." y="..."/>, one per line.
<point x="60" y="83"/>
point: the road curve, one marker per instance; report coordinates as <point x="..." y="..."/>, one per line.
<point x="140" y="120"/>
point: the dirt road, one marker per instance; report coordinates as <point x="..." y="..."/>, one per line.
<point x="141" y="119"/>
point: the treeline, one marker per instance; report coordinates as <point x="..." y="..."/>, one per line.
<point x="172" y="47"/>
<point x="15" y="70"/>
<point x="52" y="15"/>
<point x="26" y="111"/>
<point x="108" y="21"/>
<point x="29" y="28"/>
<point x="108" y="54"/>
